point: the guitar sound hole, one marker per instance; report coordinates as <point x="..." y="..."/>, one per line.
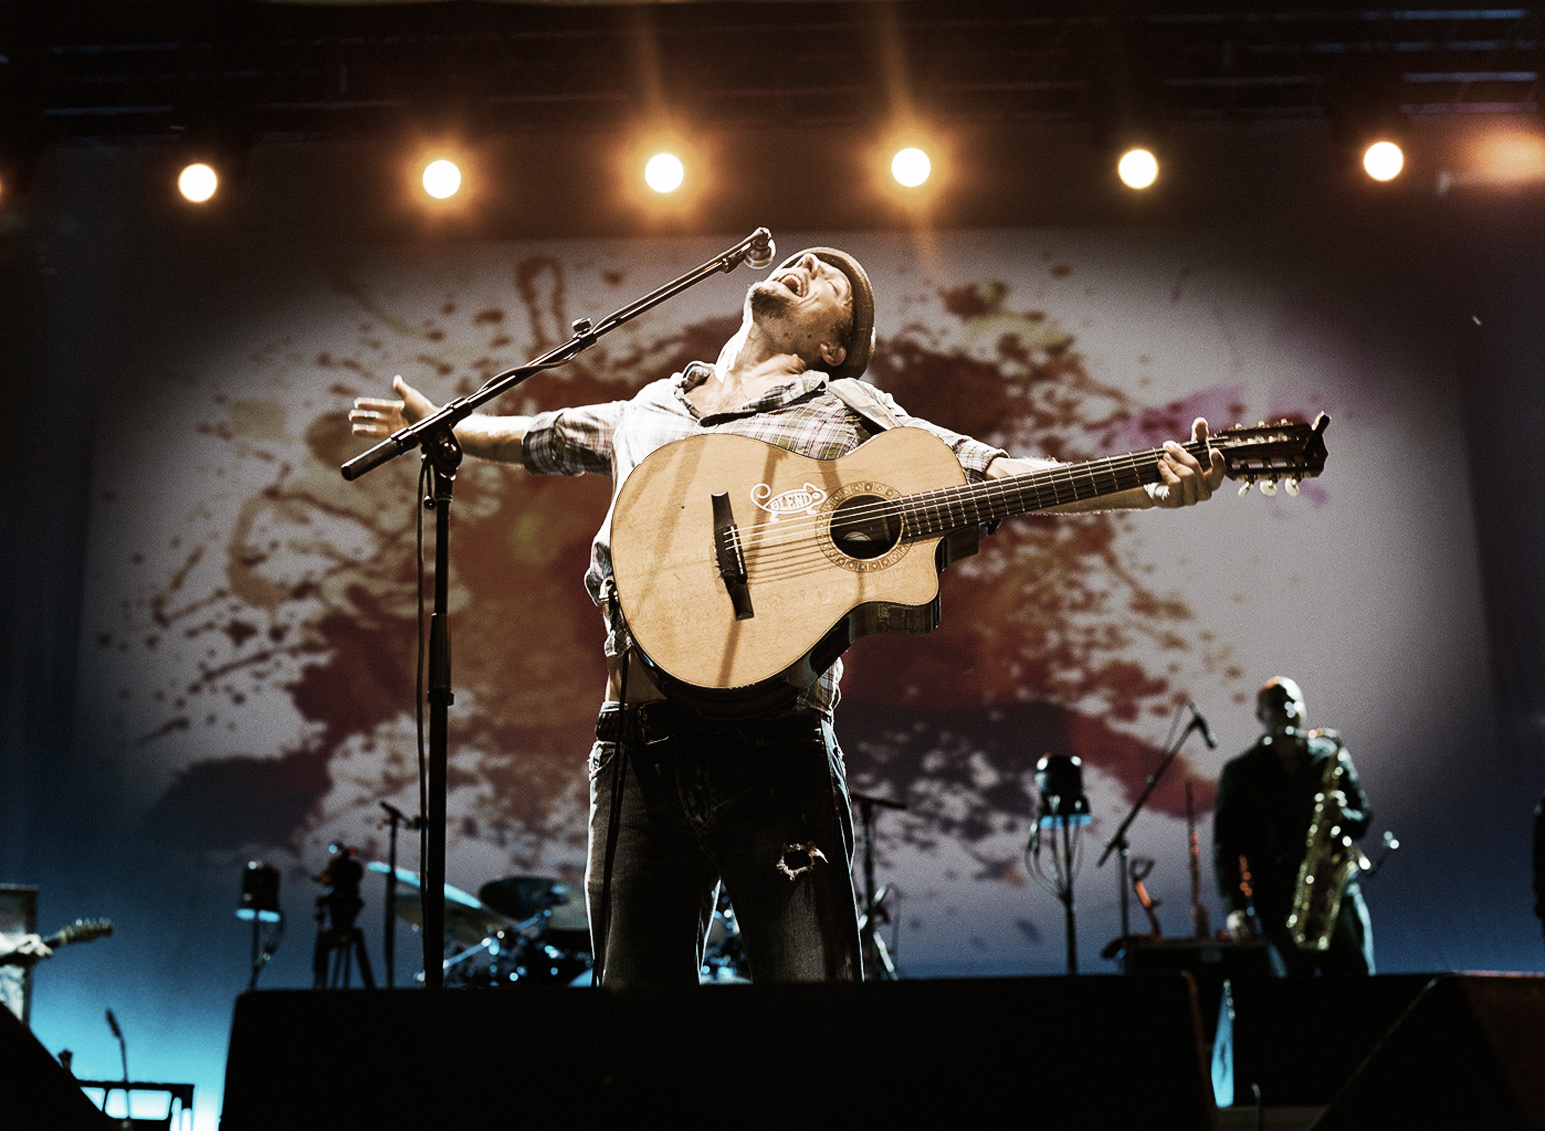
<point x="865" y="527"/>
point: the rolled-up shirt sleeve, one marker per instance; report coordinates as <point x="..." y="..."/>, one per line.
<point x="572" y="441"/>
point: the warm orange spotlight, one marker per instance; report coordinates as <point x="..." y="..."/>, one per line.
<point x="1383" y="160"/>
<point x="198" y="182"/>
<point x="1138" y="168"/>
<point x="664" y="173"/>
<point x="1509" y="156"/>
<point x="441" y="178"/>
<point x="911" y="167"/>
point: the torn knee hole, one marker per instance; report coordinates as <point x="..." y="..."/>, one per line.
<point x="798" y="858"/>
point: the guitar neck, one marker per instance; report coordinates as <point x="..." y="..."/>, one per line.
<point x="82" y="930"/>
<point x="987" y="503"/>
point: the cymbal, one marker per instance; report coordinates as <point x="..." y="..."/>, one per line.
<point x="521" y="897"/>
<point x="466" y="919"/>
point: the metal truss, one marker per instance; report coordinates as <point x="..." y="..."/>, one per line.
<point x="117" y="71"/>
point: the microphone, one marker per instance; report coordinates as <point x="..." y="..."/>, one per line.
<point x="762" y="250"/>
<point x="1200" y="724"/>
<point x="112" y="1023"/>
<point x="410" y="823"/>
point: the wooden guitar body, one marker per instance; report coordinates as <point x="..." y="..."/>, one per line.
<point x="812" y="590"/>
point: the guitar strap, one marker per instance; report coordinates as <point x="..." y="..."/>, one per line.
<point x="861" y="397"/>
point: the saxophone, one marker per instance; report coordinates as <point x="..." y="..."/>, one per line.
<point x="1331" y="860"/>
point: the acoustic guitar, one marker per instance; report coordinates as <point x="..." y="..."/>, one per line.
<point x="745" y="570"/>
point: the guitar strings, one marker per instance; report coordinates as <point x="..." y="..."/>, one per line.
<point x="964" y="504"/>
<point x="784" y="543"/>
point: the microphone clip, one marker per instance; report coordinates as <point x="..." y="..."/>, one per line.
<point x="757" y="251"/>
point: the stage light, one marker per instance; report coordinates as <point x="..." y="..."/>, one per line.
<point x="213" y="148"/>
<point x="911" y="167"/>
<point x="1383" y="160"/>
<point x="1138" y="168"/>
<point x="1060" y="780"/>
<point x="198" y="182"/>
<point x="1367" y="123"/>
<point x="441" y="178"/>
<point x="664" y="173"/>
<point x="259" y="899"/>
<point x="259" y="905"/>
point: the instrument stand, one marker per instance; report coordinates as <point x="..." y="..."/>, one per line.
<point x="1063" y="868"/>
<point x="1119" y="844"/>
<point x="262" y="954"/>
<point x="876" y="955"/>
<point x="333" y="959"/>
<point x="435" y="436"/>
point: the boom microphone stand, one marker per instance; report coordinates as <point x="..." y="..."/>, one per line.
<point x="1118" y="841"/>
<point x="435" y="438"/>
<point x="396" y="819"/>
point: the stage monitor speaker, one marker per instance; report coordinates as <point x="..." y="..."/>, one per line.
<point x="35" y="1090"/>
<point x="1210" y="961"/>
<point x="1466" y="1054"/>
<point x="1300" y="1039"/>
<point x="1090" y="1052"/>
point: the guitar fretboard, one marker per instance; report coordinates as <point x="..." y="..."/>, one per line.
<point x="933" y="513"/>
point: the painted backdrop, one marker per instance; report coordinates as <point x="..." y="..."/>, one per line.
<point x="246" y="641"/>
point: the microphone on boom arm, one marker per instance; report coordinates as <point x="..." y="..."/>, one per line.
<point x="762" y="250"/>
<point x="1198" y="722"/>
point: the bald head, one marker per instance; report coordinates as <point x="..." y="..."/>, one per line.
<point x="1280" y="706"/>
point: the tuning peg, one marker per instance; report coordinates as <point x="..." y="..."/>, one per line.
<point x="1291" y="487"/>
<point x="1269" y="487"/>
<point x="1244" y="488"/>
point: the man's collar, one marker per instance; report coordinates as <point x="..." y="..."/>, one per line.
<point x="784" y="392"/>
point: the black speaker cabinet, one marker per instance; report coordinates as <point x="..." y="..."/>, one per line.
<point x="1467" y="1053"/>
<point x="1299" y="1040"/>
<point x="35" y="1090"/>
<point x="1089" y="1052"/>
<point x="1211" y="962"/>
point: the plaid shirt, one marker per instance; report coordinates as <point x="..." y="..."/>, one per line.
<point x="802" y="415"/>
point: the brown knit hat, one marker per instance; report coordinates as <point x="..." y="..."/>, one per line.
<point x="860" y="343"/>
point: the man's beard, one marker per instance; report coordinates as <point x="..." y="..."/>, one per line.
<point x="768" y="299"/>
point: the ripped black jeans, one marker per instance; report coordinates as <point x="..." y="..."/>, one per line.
<point x="761" y="805"/>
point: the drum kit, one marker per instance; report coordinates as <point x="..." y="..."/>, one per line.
<point x="534" y="929"/>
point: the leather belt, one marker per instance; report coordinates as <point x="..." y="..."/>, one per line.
<point x="654" y="721"/>
<point x="659" y="719"/>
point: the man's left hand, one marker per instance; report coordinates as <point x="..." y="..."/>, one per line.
<point x="1183" y="481"/>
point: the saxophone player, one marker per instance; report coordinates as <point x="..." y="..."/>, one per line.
<point x="1288" y="810"/>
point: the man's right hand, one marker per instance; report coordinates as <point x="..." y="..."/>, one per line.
<point x="497" y="438"/>
<point x="375" y="416"/>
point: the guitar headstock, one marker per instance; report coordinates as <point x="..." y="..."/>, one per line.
<point x="82" y="930"/>
<point x="1271" y="453"/>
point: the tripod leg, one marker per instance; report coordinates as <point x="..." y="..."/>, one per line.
<point x="319" y="962"/>
<point x="364" y="960"/>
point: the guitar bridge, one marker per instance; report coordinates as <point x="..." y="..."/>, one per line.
<point x="731" y="558"/>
